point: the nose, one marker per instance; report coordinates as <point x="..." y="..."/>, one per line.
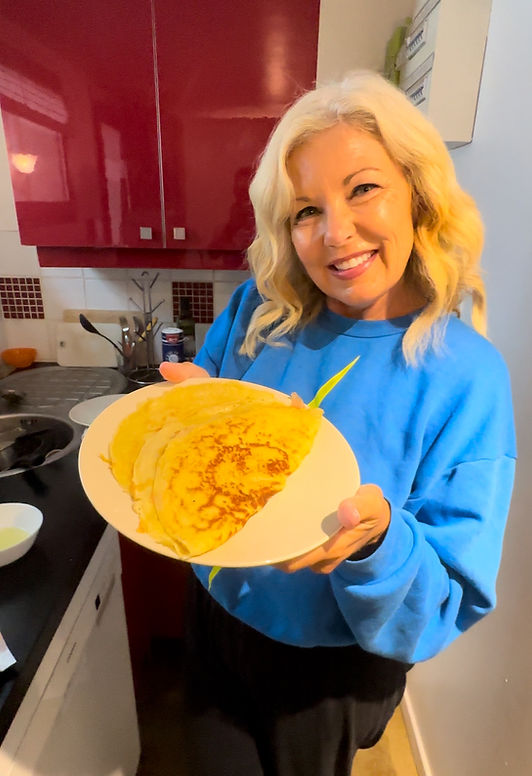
<point x="339" y="224"/>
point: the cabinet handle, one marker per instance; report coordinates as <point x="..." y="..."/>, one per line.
<point x="145" y="233"/>
<point x="178" y="233"/>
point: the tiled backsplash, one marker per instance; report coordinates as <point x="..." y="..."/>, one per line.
<point x="201" y="300"/>
<point x="31" y="318"/>
<point x="21" y="297"/>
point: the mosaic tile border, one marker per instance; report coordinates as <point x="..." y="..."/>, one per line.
<point x="21" y="297"/>
<point x="201" y="297"/>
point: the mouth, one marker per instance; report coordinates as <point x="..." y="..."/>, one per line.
<point x="356" y="261"/>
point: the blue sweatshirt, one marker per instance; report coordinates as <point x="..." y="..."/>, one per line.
<point x="437" y="438"/>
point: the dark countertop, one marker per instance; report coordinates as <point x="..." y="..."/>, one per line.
<point x="36" y="590"/>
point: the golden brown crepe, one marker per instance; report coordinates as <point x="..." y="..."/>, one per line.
<point x="203" y="458"/>
<point x="210" y="480"/>
<point x="187" y="404"/>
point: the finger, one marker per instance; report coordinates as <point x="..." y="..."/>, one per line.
<point x="348" y="514"/>
<point x="369" y="500"/>
<point x="349" y="518"/>
<point x="176" y="373"/>
<point x="333" y="549"/>
<point x="326" y="568"/>
<point x="302" y="561"/>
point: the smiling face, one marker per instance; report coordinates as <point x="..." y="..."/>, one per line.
<point x="351" y="223"/>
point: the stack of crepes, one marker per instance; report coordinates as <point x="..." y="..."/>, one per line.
<point x="203" y="457"/>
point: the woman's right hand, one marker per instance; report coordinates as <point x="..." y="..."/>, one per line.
<point x="176" y="373"/>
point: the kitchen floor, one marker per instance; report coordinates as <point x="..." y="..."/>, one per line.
<point x="160" y="705"/>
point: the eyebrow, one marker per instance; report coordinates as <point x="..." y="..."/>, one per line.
<point x="357" y="172"/>
<point x="345" y="181"/>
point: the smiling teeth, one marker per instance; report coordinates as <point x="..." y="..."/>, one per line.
<point x="354" y="262"/>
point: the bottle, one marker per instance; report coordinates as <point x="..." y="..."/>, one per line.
<point x="186" y="323"/>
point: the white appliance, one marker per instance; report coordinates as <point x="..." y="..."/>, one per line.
<point x="441" y="63"/>
<point x="78" y="717"/>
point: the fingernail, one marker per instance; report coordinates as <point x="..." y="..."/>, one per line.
<point x="164" y="368"/>
<point x="348" y="514"/>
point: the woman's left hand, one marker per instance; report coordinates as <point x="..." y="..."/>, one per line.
<point x="364" y="518"/>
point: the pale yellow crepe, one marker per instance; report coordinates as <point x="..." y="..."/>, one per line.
<point x="201" y="459"/>
<point x="187" y="404"/>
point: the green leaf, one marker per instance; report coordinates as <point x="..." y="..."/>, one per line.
<point x="214" y="572"/>
<point x="329" y="385"/>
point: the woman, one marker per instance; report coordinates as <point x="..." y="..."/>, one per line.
<point x="365" y="246"/>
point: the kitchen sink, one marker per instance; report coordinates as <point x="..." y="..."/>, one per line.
<point x="35" y="427"/>
<point x="29" y="440"/>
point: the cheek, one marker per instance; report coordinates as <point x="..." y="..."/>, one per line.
<point x="302" y="242"/>
<point x="395" y="219"/>
<point x="405" y="236"/>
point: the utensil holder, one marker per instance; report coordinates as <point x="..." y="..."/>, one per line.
<point x="145" y="284"/>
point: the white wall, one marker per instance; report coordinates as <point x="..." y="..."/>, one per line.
<point x="353" y="34"/>
<point x="473" y="703"/>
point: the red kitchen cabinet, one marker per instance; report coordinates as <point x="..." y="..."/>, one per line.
<point x="136" y="125"/>
<point x="78" y="104"/>
<point x="227" y="70"/>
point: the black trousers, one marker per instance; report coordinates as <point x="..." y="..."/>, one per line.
<point x="256" y="707"/>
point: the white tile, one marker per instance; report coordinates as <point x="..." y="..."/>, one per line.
<point x="104" y="294"/>
<point x="161" y="293"/>
<point x="222" y="295"/>
<point x="165" y="313"/>
<point x="61" y="272"/>
<point x="62" y="293"/>
<point x="161" y="289"/>
<point x="201" y="330"/>
<point x="134" y="297"/>
<point x="16" y="259"/>
<point x="3" y="337"/>
<point x="193" y="275"/>
<point x="162" y="274"/>
<point x="26" y="333"/>
<point x="232" y="275"/>
<point x="103" y="273"/>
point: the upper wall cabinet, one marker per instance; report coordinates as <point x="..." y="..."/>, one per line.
<point x="137" y="123"/>
<point x="441" y="63"/>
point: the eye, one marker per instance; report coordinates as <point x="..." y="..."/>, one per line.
<point x="305" y="212"/>
<point x="363" y="188"/>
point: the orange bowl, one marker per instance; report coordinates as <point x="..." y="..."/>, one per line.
<point x="19" y="357"/>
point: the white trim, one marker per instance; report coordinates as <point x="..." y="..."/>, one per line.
<point x="414" y="736"/>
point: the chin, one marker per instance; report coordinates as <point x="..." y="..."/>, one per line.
<point x="357" y="307"/>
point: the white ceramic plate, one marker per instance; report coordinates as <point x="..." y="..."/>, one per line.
<point x="86" y="411"/>
<point x="297" y="519"/>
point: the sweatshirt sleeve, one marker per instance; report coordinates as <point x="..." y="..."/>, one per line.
<point x="434" y="574"/>
<point x="430" y="581"/>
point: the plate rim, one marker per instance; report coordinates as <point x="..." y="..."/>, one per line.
<point x="93" y="400"/>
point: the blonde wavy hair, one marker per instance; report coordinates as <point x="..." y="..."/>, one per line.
<point x="448" y="231"/>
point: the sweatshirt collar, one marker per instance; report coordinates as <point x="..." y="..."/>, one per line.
<point x="362" y="328"/>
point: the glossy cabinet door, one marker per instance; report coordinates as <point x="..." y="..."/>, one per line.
<point x="226" y="73"/>
<point x="77" y="94"/>
<point x="137" y="123"/>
